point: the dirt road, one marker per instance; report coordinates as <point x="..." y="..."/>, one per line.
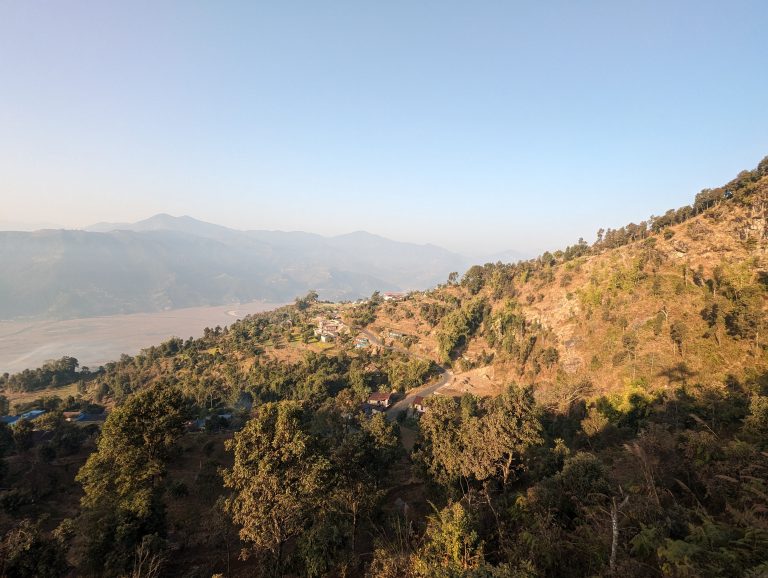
<point x="445" y="376"/>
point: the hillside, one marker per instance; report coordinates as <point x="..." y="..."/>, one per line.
<point x="598" y="411"/>
<point x="168" y="262"/>
<point x="681" y="304"/>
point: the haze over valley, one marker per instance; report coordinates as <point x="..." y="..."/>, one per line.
<point x="169" y="262"/>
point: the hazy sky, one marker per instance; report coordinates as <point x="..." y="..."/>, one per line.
<point x="480" y="126"/>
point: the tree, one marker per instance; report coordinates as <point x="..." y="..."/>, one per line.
<point x="678" y="332"/>
<point x="25" y="552"/>
<point x="122" y="478"/>
<point x="511" y="427"/>
<point x="381" y="442"/>
<point x="441" y="452"/>
<point x="452" y="546"/>
<point x="487" y="439"/>
<point x="359" y="459"/>
<point x="304" y="303"/>
<point x="22" y="435"/>
<point x="278" y="477"/>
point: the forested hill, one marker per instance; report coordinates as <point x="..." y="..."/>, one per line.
<point x="168" y="262"/>
<point x="604" y="412"/>
<point x="678" y="300"/>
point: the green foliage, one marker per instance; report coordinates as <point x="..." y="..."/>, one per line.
<point x="52" y="374"/>
<point x="451" y="546"/>
<point x="459" y="326"/>
<point x="480" y="439"/>
<point x="756" y="423"/>
<point x="519" y="489"/>
<point x="278" y="477"/>
<point x="678" y="331"/>
<point x="304" y="303"/>
<point x="433" y="312"/>
<point x="474" y="279"/>
<point x="405" y="374"/>
<point x="365" y="314"/>
<point x="301" y="473"/>
<point x="628" y="407"/>
<point x="22" y="435"/>
<point x="26" y="552"/>
<point x="716" y="549"/>
<point x="121" y="479"/>
<point x="67" y="438"/>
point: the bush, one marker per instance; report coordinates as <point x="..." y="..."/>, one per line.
<point x="178" y="489"/>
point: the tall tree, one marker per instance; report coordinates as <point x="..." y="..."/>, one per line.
<point x="122" y="478"/>
<point x="512" y="427"/>
<point x="278" y="478"/>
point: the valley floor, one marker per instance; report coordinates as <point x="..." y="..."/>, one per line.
<point x="96" y="340"/>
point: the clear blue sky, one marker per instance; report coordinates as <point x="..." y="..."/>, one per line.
<point x="480" y="126"/>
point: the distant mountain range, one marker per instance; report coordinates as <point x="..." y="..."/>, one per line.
<point x="167" y="262"/>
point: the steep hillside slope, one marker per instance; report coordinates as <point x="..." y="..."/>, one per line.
<point x="679" y="300"/>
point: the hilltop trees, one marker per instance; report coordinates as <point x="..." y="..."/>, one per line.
<point x="304" y="303"/>
<point x="51" y="374"/>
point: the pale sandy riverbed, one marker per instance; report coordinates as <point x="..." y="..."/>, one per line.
<point x="96" y="340"/>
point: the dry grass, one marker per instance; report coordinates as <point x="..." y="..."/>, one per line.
<point x="482" y="382"/>
<point x="592" y="304"/>
<point x="27" y="396"/>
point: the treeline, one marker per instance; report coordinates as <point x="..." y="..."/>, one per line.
<point x="55" y="373"/>
<point x="741" y="191"/>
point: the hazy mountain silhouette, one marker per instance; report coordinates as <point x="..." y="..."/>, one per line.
<point x="169" y="262"/>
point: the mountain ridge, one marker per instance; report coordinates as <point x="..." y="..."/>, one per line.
<point x="167" y="262"/>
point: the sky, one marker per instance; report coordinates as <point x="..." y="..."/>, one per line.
<point x="479" y="126"/>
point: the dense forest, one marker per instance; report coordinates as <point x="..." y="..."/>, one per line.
<point x="605" y="412"/>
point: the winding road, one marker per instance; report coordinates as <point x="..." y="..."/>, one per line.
<point x="445" y="376"/>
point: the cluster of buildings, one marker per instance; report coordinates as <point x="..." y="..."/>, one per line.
<point x="78" y="417"/>
<point x="393" y="296"/>
<point x="328" y="330"/>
